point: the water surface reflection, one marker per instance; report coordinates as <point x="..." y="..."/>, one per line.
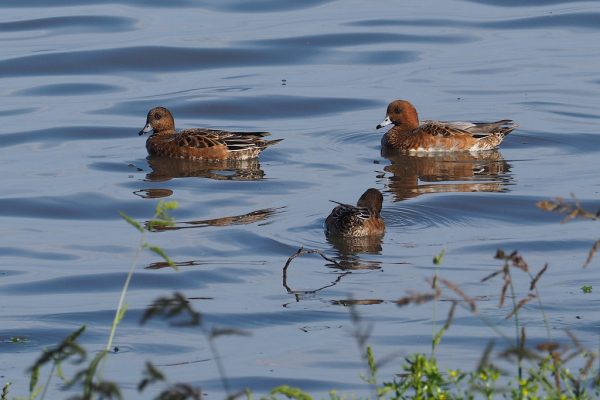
<point x="167" y="168"/>
<point x="416" y="173"/>
<point x="244" y="219"/>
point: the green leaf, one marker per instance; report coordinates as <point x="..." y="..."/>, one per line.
<point x="292" y="393"/>
<point x="35" y="374"/>
<point x="132" y="222"/>
<point x="37" y="391"/>
<point x="121" y="313"/>
<point x="437" y="260"/>
<point x="88" y="383"/>
<point x="587" y="289"/>
<point x="161" y="223"/>
<point x="171" y="205"/>
<point x="371" y="361"/>
<point x="164" y="255"/>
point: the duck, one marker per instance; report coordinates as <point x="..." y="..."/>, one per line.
<point x="409" y="134"/>
<point x="364" y="219"/>
<point x="200" y="143"/>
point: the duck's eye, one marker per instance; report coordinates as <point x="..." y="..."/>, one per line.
<point x="158" y="116"/>
<point x="397" y="111"/>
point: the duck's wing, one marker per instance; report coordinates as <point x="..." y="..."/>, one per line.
<point x="439" y="129"/>
<point x="350" y="211"/>
<point x="476" y="129"/>
<point x="234" y="141"/>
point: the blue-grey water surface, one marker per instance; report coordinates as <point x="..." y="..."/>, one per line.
<point x="77" y="80"/>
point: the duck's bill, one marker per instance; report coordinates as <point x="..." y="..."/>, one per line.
<point x="146" y="129"/>
<point x="383" y="123"/>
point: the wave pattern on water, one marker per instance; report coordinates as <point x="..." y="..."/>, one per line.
<point x="70" y="25"/>
<point x="160" y="59"/>
<point x="248" y="6"/>
<point x="79" y="78"/>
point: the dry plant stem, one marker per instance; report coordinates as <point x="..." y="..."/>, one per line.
<point x="436" y="261"/>
<point x="300" y="252"/>
<point x="521" y="304"/>
<point x="473" y="309"/>
<point x="592" y="253"/>
<point x="48" y="381"/>
<point x="537" y="293"/>
<point x="515" y="308"/>
<point x="120" y="306"/>
<point x="220" y="367"/>
<point x="560" y="206"/>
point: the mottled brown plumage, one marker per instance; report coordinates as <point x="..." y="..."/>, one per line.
<point x="410" y="135"/>
<point x="200" y="143"/>
<point x="361" y="220"/>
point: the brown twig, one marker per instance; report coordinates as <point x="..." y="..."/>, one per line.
<point x="521" y="304"/>
<point x="300" y="253"/>
<point x="538" y="276"/>
<point x="592" y="253"/>
<point x="503" y="294"/>
<point x="458" y="291"/>
<point x="493" y="274"/>
<point x="418" y="298"/>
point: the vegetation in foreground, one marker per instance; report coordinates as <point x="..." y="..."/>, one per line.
<point x="541" y="372"/>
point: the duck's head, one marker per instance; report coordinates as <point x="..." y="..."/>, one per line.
<point x="159" y="121"/>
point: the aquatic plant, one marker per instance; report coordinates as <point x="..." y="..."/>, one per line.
<point x="541" y="372"/>
<point x="90" y="377"/>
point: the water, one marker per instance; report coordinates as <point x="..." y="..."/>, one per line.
<point x="78" y="81"/>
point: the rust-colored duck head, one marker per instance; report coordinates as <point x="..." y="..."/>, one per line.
<point x="401" y="113"/>
<point x="160" y="121"/>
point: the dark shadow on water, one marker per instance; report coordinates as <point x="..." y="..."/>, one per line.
<point x="133" y="61"/>
<point x="192" y="263"/>
<point x="153" y="193"/>
<point x="241" y="108"/>
<point x="167" y="168"/>
<point x="574" y="20"/>
<point x="300" y="295"/>
<point x="522" y="3"/>
<point x="56" y="136"/>
<point x="365" y="302"/>
<point x="337" y="40"/>
<point x="71" y="25"/>
<point x="70" y="89"/>
<point x="247" y="6"/>
<point x="413" y="174"/>
<point x="244" y="219"/>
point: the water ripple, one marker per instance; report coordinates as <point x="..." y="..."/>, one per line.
<point x="63" y="134"/>
<point x="161" y="59"/>
<point x="36" y="254"/>
<point x="70" y="89"/>
<point x="80" y="206"/>
<point x="338" y="40"/>
<point x="247" y="6"/>
<point x="71" y="25"/>
<point x="243" y="108"/>
<point x="588" y="20"/>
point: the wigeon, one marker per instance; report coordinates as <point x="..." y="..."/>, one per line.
<point x="200" y="143"/>
<point x="410" y="135"/>
<point x="361" y="220"/>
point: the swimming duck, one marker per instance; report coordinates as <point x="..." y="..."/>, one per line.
<point x="410" y="135"/>
<point x="361" y="220"/>
<point x="200" y="143"/>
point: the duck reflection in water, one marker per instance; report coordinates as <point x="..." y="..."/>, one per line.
<point x="416" y="173"/>
<point x="349" y="247"/>
<point x="262" y="216"/>
<point x="167" y="168"/>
